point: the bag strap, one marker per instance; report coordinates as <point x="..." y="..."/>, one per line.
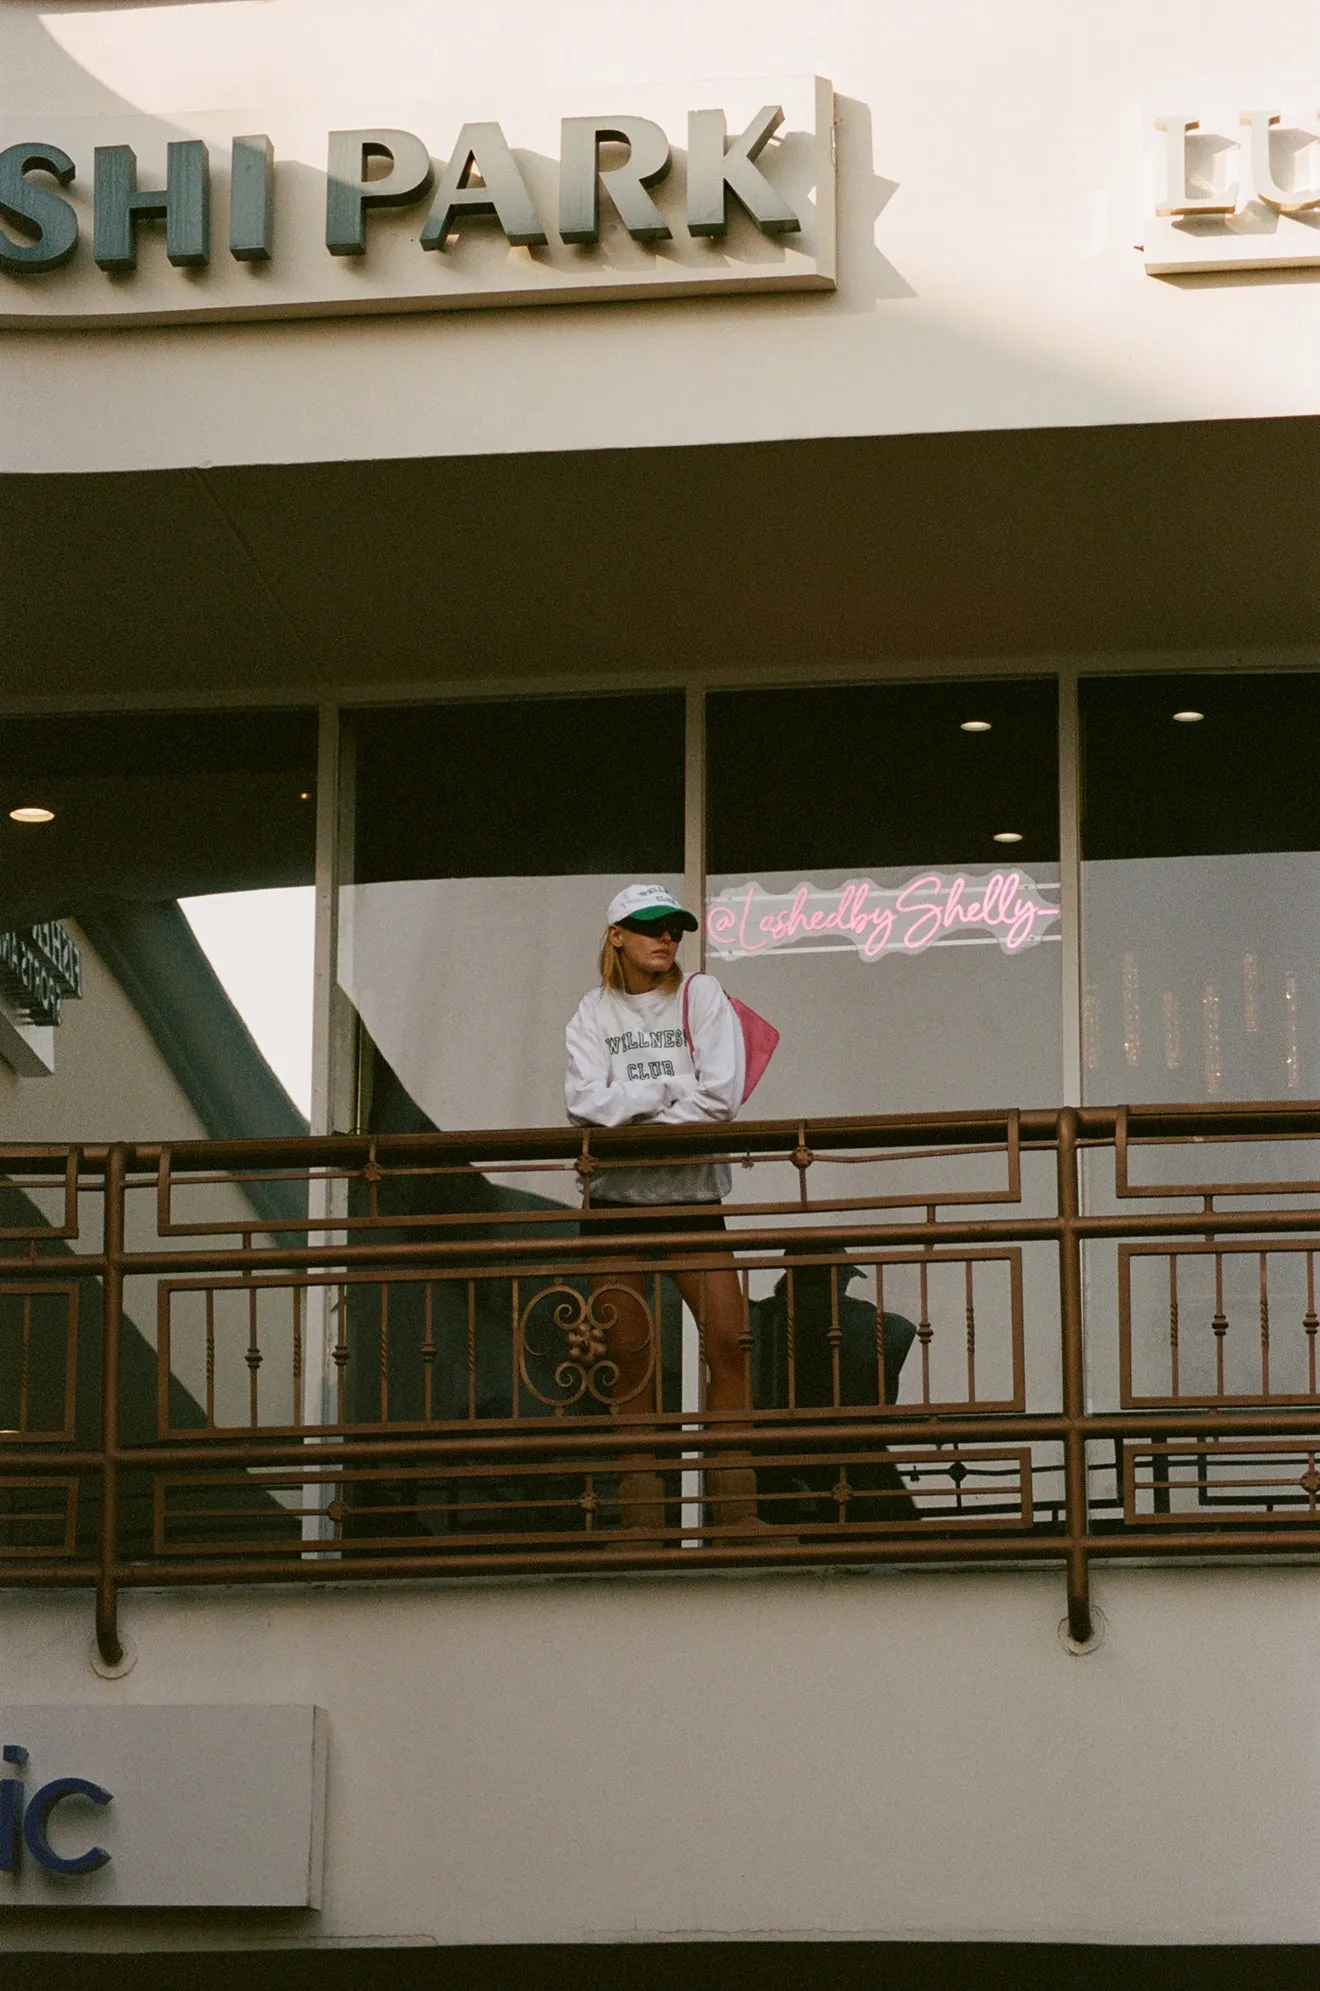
<point x="687" y="1032"/>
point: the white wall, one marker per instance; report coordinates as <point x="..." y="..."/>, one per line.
<point x="993" y="184"/>
<point x="110" y="1082"/>
<point x="902" y="1756"/>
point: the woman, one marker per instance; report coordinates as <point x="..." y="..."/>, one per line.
<point x="629" y="1063"/>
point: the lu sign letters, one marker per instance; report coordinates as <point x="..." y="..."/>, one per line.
<point x="148" y="220"/>
<point x="1234" y="190"/>
<point x="161" y="1807"/>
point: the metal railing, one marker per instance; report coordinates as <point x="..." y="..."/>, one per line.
<point x="985" y="1338"/>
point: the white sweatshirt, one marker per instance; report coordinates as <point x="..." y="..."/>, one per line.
<point x="628" y="1062"/>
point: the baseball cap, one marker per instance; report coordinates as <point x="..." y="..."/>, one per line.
<point x="647" y="902"/>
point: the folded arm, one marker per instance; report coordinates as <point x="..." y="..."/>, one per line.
<point x="592" y="1096"/>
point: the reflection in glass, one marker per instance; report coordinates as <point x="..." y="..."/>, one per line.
<point x="489" y="840"/>
<point x="122" y="1018"/>
<point x="149" y="810"/>
<point x="858" y="897"/>
<point x="1201" y="907"/>
<point x="262" y="946"/>
<point x="1201" y="888"/>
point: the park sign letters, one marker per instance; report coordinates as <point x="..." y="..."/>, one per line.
<point x="151" y="220"/>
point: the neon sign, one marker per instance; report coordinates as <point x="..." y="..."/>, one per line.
<point x="1004" y="908"/>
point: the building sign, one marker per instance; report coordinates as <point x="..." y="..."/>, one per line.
<point x="161" y="1807"/>
<point x="1234" y="190"/>
<point x="40" y="968"/>
<point x="25" y="1821"/>
<point x="939" y="909"/>
<point x="281" y="214"/>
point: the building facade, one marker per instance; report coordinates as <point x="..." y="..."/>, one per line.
<point x="852" y="470"/>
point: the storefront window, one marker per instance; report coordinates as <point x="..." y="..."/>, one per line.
<point x="860" y="897"/>
<point x="884" y="887"/>
<point x="156" y="895"/>
<point x="156" y="888"/>
<point x="489" y="839"/>
<point x="1201" y="888"/>
<point x="1201" y="984"/>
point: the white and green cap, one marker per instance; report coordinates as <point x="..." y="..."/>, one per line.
<point x="647" y="902"/>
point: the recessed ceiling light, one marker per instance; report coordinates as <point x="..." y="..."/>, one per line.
<point x="975" y="726"/>
<point x="306" y="795"/>
<point x="1188" y="718"/>
<point x="1008" y="836"/>
<point x="32" y="815"/>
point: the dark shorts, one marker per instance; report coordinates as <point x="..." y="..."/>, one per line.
<point x="651" y="1219"/>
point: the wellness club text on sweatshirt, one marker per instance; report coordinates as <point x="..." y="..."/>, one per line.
<point x="628" y="1061"/>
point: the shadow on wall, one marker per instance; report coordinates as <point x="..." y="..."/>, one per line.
<point x="52" y="9"/>
<point x="35" y="67"/>
<point x="866" y="277"/>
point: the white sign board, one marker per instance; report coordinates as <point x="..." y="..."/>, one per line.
<point x="161" y="1807"/>
<point x="317" y="210"/>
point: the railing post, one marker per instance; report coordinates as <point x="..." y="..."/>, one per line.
<point x="1074" y="1377"/>
<point x="112" y="1313"/>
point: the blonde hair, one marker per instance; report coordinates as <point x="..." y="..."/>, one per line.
<point x="611" y="969"/>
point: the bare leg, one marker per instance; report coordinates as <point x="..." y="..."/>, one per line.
<point x="715" y="1298"/>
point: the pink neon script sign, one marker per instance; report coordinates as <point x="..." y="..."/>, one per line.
<point x="1006" y="907"/>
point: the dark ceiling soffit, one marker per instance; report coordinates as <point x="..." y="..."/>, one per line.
<point x="825" y="553"/>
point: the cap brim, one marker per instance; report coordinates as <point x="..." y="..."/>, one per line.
<point x="656" y="913"/>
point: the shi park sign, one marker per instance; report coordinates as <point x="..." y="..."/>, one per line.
<point x="135" y="219"/>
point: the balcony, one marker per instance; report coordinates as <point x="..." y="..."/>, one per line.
<point x="995" y="1339"/>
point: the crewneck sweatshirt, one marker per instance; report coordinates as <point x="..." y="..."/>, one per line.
<point x="629" y="1063"/>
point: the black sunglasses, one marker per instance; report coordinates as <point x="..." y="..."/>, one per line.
<point x="671" y="929"/>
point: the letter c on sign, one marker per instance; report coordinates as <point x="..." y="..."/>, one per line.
<point x="37" y="1821"/>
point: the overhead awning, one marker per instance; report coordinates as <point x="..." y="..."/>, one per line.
<point x="842" y="555"/>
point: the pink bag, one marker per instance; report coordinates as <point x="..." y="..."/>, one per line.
<point x="760" y="1040"/>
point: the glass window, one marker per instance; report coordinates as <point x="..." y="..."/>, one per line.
<point x="156" y="911"/>
<point x="156" y="905"/>
<point x="1201" y="984"/>
<point x="1201" y="888"/>
<point x="884" y="887"/>
<point x="489" y="839"/>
